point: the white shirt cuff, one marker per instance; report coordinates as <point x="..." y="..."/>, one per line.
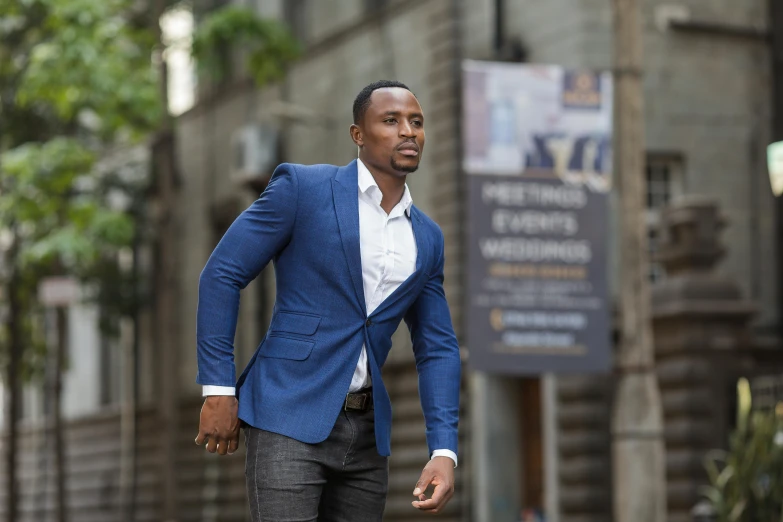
<point x="217" y="390"/>
<point x="445" y="453"/>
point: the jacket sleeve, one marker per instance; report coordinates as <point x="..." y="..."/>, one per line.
<point x="438" y="363"/>
<point x="252" y="240"/>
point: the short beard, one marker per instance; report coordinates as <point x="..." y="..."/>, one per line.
<point x="402" y="168"/>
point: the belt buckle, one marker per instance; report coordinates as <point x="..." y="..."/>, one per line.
<point x="355" y="401"/>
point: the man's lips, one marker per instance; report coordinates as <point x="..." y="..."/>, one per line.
<point x="409" y="149"/>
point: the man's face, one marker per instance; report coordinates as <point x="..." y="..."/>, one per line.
<point x="391" y="133"/>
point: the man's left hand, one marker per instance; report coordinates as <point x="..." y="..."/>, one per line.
<point x="438" y="472"/>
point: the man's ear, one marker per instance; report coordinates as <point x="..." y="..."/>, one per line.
<point x="356" y="135"/>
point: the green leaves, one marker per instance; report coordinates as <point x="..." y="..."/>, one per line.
<point x="83" y="55"/>
<point x="746" y="482"/>
<point x="62" y="63"/>
<point x="77" y="77"/>
<point x="56" y="200"/>
<point x="267" y="44"/>
<point x="37" y="177"/>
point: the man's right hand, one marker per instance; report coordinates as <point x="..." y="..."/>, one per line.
<point x="219" y="424"/>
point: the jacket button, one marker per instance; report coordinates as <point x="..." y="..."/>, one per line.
<point x="368" y="323"/>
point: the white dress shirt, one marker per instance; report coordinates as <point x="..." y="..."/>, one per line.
<point x="388" y="253"/>
<point x="388" y="250"/>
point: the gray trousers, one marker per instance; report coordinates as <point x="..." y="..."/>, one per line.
<point x="342" y="479"/>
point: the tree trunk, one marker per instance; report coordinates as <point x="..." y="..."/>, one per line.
<point x="637" y="432"/>
<point x="13" y="384"/>
<point x="57" y="425"/>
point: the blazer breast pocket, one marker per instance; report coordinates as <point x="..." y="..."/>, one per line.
<point x="297" y="323"/>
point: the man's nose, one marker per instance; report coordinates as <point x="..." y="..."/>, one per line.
<point x="407" y="130"/>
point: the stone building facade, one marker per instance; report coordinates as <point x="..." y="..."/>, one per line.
<point x="541" y="443"/>
<point x="706" y="130"/>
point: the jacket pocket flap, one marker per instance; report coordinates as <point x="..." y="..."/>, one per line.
<point x="295" y="322"/>
<point x="278" y="347"/>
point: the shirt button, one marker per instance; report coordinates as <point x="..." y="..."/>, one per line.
<point x="368" y="323"/>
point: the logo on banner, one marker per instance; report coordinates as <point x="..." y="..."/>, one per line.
<point x="581" y="90"/>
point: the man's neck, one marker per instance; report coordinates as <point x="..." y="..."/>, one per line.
<point x="392" y="186"/>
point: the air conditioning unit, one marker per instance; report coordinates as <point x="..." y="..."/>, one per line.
<point x="253" y="154"/>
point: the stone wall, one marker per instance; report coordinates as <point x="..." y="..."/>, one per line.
<point x="702" y="339"/>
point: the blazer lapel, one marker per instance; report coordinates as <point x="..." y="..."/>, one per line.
<point x="422" y="244"/>
<point x="345" y="191"/>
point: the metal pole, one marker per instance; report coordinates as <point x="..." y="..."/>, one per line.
<point x="13" y="383"/>
<point x="127" y="422"/>
<point x="59" y="443"/>
<point x="637" y="431"/>
<point x="551" y="454"/>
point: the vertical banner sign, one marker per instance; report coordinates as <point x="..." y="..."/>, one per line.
<point x="538" y="160"/>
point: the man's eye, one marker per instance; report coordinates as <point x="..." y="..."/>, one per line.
<point x="417" y="123"/>
<point x="390" y="120"/>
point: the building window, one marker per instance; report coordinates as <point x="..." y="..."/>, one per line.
<point x="664" y="182"/>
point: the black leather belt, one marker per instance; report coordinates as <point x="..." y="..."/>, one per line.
<point x="358" y="401"/>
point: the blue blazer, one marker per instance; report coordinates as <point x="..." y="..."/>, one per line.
<point x="307" y="223"/>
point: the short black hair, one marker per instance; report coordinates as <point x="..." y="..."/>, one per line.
<point x="362" y="101"/>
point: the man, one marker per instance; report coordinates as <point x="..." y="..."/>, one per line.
<point x="353" y="257"/>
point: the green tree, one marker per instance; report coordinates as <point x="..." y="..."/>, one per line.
<point x="78" y="78"/>
<point x="75" y="78"/>
<point x="62" y="226"/>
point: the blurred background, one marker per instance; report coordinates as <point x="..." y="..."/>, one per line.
<point x="599" y="169"/>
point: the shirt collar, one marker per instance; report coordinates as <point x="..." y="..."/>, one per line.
<point x="367" y="182"/>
